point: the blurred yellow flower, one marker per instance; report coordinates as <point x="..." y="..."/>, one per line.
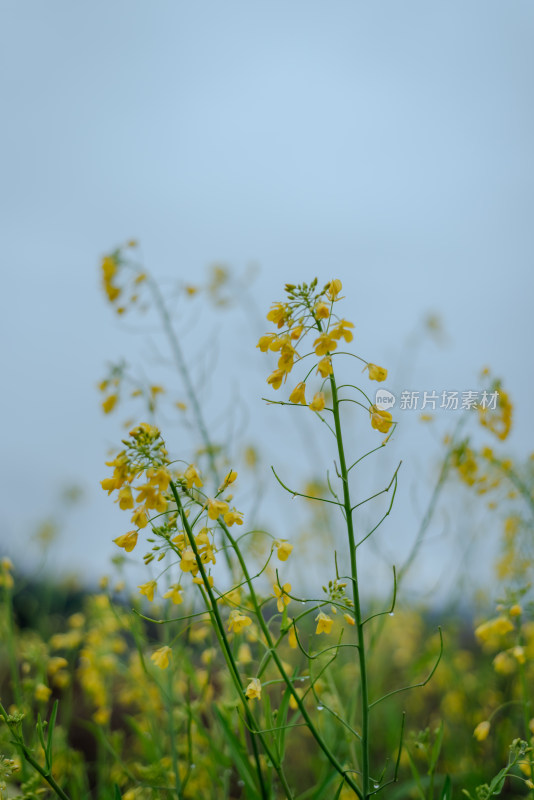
<point x="162" y="657"/>
<point x="148" y="589"/>
<point x="193" y="477"/>
<point x="125" y="498"/>
<point x="109" y="403"/>
<point x="230" y="478"/>
<point x="282" y="595"/>
<point x="42" y="693"/>
<point x="174" y="593"/>
<point x="233" y="517"/>
<point x="253" y="690"/>
<point x="482" y="730"/>
<point x="238" y="621"/>
<point x="216" y="508"/>
<point x="284" y="550"/>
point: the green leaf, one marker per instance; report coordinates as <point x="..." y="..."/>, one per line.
<point x="446" y="792"/>
<point x="116" y="793"/>
<point x="281" y="722"/>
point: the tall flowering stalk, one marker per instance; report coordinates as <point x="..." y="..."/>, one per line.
<point x="308" y="310"/>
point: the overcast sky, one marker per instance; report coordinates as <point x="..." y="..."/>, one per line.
<point x="388" y="144"/>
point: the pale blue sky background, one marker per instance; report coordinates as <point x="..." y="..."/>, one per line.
<point x="388" y="144"/>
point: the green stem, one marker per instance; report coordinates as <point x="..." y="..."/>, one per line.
<point x="356" y="592"/>
<point x="184" y="372"/>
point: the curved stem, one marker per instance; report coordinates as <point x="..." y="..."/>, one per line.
<point x="227" y="652"/>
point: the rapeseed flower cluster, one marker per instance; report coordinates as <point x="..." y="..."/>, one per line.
<point x="120" y="282"/>
<point x="309" y="309"/>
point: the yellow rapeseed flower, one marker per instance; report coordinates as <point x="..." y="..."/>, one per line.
<point x="160" y="477"/>
<point x="334" y="288"/>
<point x="216" y="508"/>
<point x="324" y="367"/>
<point x="322" y="311"/>
<point x="265" y="341"/>
<point x="278" y="314"/>
<point x="230" y="478"/>
<point x="189" y="561"/>
<point x="324" y="344"/>
<point x="109" y="485"/>
<point x="380" y="420"/>
<point x="298" y="395"/>
<point x="282" y="595"/>
<point x="125" y="498"/>
<point x="162" y="657"/>
<point x="175" y="594"/>
<point x="139" y="517"/>
<point x="283" y="549"/>
<point x="238" y="621"/>
<point x="324" y="623"/>
<point x="482" y="730"/>
<point x="55" y="664"/>
<point x="497" y="627"/>
<point x="148" y="589"/>
<point x="253" y="690"/>
<point x="233" y="517"/>
<point x="287" y="357"/>
<point x="276" y="378"/>
<point x="244" y="654"/>
<point x="377" y="373"/>
<point x="342" y="330"/>
<point x="127" y="540"/>
<point x="193" y="477"/>
<point x="42" y="693"/>
<point x="318" y="402"/>
<point x="109" y="403"/>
